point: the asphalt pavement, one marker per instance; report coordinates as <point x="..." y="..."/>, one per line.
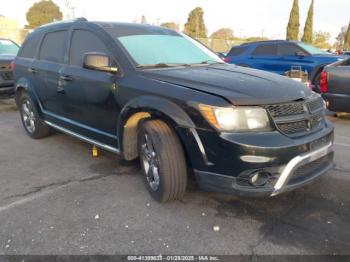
<point x="55" y="198"/>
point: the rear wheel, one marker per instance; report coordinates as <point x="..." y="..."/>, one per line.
<point x="162" y="160"/>
<point x="31" y="121"/>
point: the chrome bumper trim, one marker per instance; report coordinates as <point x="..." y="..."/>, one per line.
<point x="298" y="161"/>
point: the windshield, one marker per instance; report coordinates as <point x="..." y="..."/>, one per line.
<point x="7" y="47"/>
<point x="166" y="49"/>
<point x="312" y="50"/>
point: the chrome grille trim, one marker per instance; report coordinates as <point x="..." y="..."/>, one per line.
<point x="297" y="118"/>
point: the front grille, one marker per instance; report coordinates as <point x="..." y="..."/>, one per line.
<point x="311" y="168"/>
<point x="293" y="128"/>
<point x="297" y="118"/>
<point x="285" y="109"/>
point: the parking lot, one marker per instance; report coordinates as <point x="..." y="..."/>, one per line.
<point x="55" y="198"/>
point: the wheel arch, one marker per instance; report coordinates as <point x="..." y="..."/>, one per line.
<point x="142" y="108"/>
<point x="24" y="85"/>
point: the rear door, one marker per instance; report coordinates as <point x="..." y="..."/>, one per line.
<point x="265" y="57"/>
<point x="46" y="69"/>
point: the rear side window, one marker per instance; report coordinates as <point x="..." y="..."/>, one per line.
<point x="237" y="51"/>
<point x="29" y="48"/>
<point x="53" y="47"/>
<point x="265" y="50"/>
<point x="289" y="50"/>
<point x="84" y="42"/>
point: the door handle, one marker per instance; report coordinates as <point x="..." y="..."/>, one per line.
<point x="60" y="90"/>
<point x="32" y="70"/>
<point x="66" y="78"/>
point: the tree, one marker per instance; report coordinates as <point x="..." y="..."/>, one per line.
<point x="43" y="12"/>
<point x="347" y="39"/>
<point x="171" y="25"/>
<point x="195" y="26"/>
<point x="293" y="24"/>
<point x="308" y="29"/>
<point x="321" y="40"/>
<point x="341" y="38"/>
<point x="223" y="33"/>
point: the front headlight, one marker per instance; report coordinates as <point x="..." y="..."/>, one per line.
<point x="236" y="119"/>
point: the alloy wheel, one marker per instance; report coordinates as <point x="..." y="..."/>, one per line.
<point x="28" y="116"/>
<point x="150" y="162"/>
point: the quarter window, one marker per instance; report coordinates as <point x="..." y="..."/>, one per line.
<point x="265" y="50"/>
<point x="53" y="47"/>
<point x="237" y="51"/>
<point x="30" y="46"/>
<point x="84" y="42"/>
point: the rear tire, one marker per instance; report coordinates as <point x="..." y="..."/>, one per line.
<point x="162" y="160"/>
<point x="31" y="121"/>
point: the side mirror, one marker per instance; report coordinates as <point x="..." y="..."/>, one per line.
<point x="99" y="62"/>
<point x="300" y="54"/>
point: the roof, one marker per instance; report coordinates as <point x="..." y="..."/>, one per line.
<point x="269" y="42"/>
<point x="123" y="29"/>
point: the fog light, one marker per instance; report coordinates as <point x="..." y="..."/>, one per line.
<point x="259" y="178"/>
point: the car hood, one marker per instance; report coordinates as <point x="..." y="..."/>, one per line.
<point x="6" y="58"/>
<point x="238" y="85"/>
<point x="329" y="57"/>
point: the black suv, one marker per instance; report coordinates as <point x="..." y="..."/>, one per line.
<point x="149" y="92"/>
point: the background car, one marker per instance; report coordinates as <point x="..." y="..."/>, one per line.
<point x="335" y="86"/>
<point x="279" y="56"/>
<point x="8" y="51"/>
<point x="222" y="55"/>
<point x="346" y="53"/>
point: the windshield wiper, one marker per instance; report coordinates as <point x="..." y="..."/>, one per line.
<point x="162" y="65"/>
<point x="159" y="65"/>
<point x="211" y="62"/>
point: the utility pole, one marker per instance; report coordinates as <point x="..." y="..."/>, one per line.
<point x="262" y="34"/>
<point x="70" y="14"/>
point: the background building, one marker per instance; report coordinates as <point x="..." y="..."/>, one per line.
<point x="9" y="28"/>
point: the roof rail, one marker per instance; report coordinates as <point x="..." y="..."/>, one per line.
<point x="80" y="19"/>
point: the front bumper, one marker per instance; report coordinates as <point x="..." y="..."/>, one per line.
<point x="223" y="162"/>
<point x="7" y="90"/>
<point x="286" y="181"/>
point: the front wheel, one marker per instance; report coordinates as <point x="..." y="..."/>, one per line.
<point x="162" y="160"/>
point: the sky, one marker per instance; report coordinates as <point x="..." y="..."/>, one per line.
<point x="246" y="17"/>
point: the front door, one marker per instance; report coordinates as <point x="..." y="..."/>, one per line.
<point x="90" y="105"/>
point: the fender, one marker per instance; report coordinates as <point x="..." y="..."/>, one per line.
<point x="315" y="72"/>
<point x="28" y="87"/>
<point x="155" y="105"/>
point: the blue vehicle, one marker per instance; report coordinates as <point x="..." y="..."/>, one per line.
<point x="279" y="56"/>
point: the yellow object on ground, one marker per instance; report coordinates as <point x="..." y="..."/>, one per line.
<point x="94" y="151"/>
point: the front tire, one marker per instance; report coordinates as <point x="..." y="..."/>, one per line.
<point x="162" y="160"/>
<point x="31" y="121"/>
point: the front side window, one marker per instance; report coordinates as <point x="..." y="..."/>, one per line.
<point x="265" y="50"/>
<point x="290" y="50"/>
<point x="8" y="47"/>
<point x="152" y="49"/>
<point x="53" y="47"/>
<point x="84" y="42"/>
